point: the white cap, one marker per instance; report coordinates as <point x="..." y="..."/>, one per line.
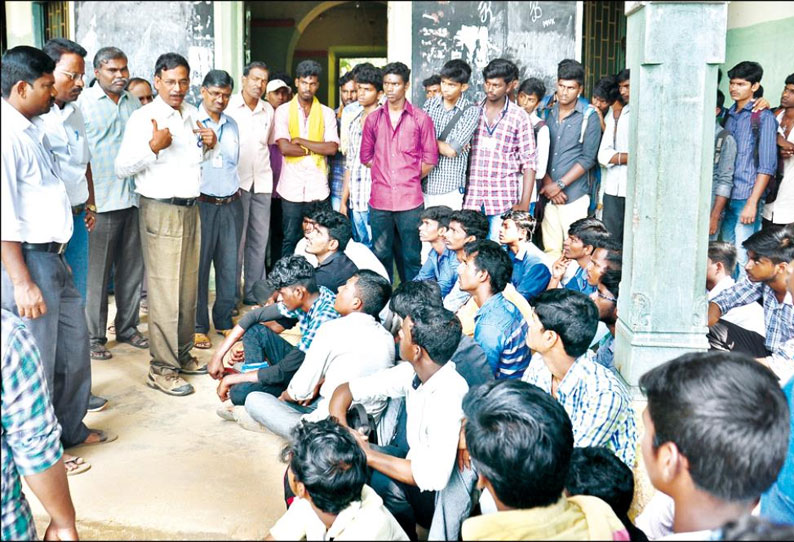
<point x="274" y="85"/>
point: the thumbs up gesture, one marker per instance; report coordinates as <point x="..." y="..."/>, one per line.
<point x="208" y="136"/>
<point x="160" y="138"/>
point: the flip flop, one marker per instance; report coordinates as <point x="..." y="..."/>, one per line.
<point x="104" y="437"/>
<point x="79" y="466"/>
<point x="201" y="341"/>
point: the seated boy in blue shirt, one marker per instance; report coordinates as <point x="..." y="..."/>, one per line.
<point x="531" y="275"/>
<point x="583" y="236"/>
<point x="441" y="264"/>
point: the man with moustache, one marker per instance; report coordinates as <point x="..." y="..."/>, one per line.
<point x="115" y="240"/>
<point x="163" y="147"/>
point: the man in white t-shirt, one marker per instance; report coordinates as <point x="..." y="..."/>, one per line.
<point x="781" y="211"/>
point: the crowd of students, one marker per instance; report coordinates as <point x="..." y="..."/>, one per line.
<point x="475" y="395"/>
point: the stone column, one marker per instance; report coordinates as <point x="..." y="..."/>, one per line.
<point x="673" y="49"/>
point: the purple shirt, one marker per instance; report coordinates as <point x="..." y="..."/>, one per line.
<point x="397" y="156"/>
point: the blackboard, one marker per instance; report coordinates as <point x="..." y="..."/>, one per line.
<point x="145" y="30"/>
<point x="534" y="35"/>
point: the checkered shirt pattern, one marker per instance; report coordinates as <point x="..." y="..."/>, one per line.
<point x="321" y="311"/>
<point x="597" y="402"/>
<point x="360" y="175"/>
<point x="495" y="174"/>
<point x="30" y="436"/>
<point x="450" y="173"/>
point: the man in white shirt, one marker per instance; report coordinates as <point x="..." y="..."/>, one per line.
<point x="613" y="154"/>
<point x="353" y="346"/>
<point x="408" y="476"/>
<point x="37" y="223"/>
<point x="719" y="270"/>
<point x="163" y="147"/>
<point x="254" y="117"/>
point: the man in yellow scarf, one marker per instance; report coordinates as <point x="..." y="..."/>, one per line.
<point x="306" y="134"/>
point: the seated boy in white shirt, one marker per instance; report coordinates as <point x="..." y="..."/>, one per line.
<point x="719" y="270"/>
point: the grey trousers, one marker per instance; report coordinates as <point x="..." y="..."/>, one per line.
<point x="221" y="226"/>
<point x="253" y="241"/>
<point x="62" y="338"/>
<point x="170" y="235"/>
<point x="116" y="239"/>
<point x="280" y="417"/>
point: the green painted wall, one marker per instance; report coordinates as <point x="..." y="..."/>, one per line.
<point x="764" y="43"/>
<point x="269" y="44"/>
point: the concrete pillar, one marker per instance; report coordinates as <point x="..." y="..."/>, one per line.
<point x="398" y="32"/>
<point x="673" y="52"/>
<point x="228" y="30"/>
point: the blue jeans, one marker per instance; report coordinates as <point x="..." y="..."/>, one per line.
<point x="494" y="224"/>
<point x="361" y="230"/>
<point x="733" y="231"/>
<point x="77" y="254"/>
<point x="336" y="202"/>
<point x="280" y="417"/>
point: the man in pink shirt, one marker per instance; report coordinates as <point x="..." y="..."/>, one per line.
<point x="399" y="145"/>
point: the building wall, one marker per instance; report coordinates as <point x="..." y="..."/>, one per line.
<point x="19" y="23"/>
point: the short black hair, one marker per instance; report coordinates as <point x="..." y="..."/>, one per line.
<point x="439" y="213"/>
<point x="612" y="275"/>
<point x="501" y="68"/>
<point x="437" y="330"/>
<point x="308" y="68"/>
<point x="570" y="314"/>
<point x="727" y="414"/>
<point x="520" y="439"/>
<point x="218" y="78"/>
<point x="107" y="53"/>
<point x="723" y="252"/>
<point x="777" y="245"/>
<point x="373" y="290"/>
<point x="312" y="208"/>
<point x="346" y="78"/>
<point x="720" y="99"/>
<point x="491" y="258"/>
<point x="533" y="87"/>
<point x="597" y="471"/>
<point x="434" y="79"/>
<point x="790" y="79"/>
<point x="410" y="295"/>
<point x="57" y="47"/>
<point x="292" y="271"/>
<point x="570" y="70"/>
<point x="256" y="64"/>
<point x="358" y="67"/>
<point x="606" y="88"/>
<point x="137" y="81"/>
<point x="397" y="68"/>
<point x="325" y="457"/>
<point x="623" y="75"/>
<point x="748" y="71"/>
<point x="169" y="61"/>
<point x="23" y="63"/>
<point x="337" y="224"/>
<point x="524" y="220"/>
<point x="472" y="222"/>
<point x="456" y="70"/>
<point x="369" y="75"/>
<point x="591" y="231"/>
<point x="750" y="527"/>
<point x="281" y="76"/>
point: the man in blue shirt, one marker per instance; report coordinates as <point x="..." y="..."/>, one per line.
<point x="499" y="328"/>
<point x="441" y="264"/>
<point x="531" y="275"/>
<point x="220" y="209"/>
<point x="583" y="236"/>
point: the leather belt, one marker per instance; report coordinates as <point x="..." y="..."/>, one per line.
<point x="183" y="202"/>
<point x="55" y="248"/>
<point x="77" y="209"/>
<point x="204" y="198"/>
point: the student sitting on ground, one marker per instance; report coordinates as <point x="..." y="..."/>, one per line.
<point x="441" y="264"/>
<point x="328" y="474"/>
<point x="583" y="236"/>
<point x="520" y="441"/>
<point x="606" y="299"/>
<point x="716" y="436"/>
<point x="598" y="472"/>
<point x="530" y="273"/>
<point x="407" y="478"/>
<point x="560" y="331"/>
<point x="349" y="347"/>
<point x="327" y="240"/>
<point x="605" y="249"/>
<point x="464" y="227"/>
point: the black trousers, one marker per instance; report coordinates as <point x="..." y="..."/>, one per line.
<point x="729" y="337"/>
<point x="292" y="214"/>
<point x="614" y="216"/>
<point x="390" y="228"/>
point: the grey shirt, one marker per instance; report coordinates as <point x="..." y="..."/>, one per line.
<point x="722" y="183"/>
<point x="566" y="149"/>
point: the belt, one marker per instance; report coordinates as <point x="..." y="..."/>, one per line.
<point x="55" y="248"/>
<point x="219" y="201"/>
<point x="77" y="209"/>
<point x="184" y="202"/>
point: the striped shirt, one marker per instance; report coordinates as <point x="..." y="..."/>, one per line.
<point x="450" y="173"/>
<point x="739" y="124"/>
<point x="501" y="331"/>
<point x="499" y="156"/>
<point x="30" y="436"/>
<point x="360" y="176"/>
<point x="105" y="122"/>
<point x="321" y="311"/>
<point x="597" y="402"/>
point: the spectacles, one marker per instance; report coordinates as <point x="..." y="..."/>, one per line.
<point x="606" y="297"/>
<point x="73" y="76"/>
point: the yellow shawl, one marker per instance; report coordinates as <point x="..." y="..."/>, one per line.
<point x="316" y="129"/>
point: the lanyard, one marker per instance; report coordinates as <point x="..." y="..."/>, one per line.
<point x="501" y="116"/>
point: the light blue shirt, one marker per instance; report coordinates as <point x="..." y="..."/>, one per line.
<point x="442" y="268"/>
<point x="219" y="177"/>
<point x="501" y="332"/>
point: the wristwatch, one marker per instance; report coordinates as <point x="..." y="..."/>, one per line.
<point x="560" y="184"/>
<point x="91" y="207"/>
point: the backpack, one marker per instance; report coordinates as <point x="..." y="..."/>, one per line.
<point x="718" y="145"/>
<point x="770" y="194"/>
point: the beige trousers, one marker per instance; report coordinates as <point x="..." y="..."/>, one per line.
<point x="556" y="221"/>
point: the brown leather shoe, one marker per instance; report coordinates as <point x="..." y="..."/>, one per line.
<point x="192" y="367"/>
<point x="171" y="383"/>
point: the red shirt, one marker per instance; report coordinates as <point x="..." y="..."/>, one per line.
<point x="397" y="155"/>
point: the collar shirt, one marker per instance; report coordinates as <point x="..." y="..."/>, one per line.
<point x="450" y="173"/>
<point x="541" y="145"/>
<point x="105" y="122"/>
<point x="750" y="316"/>
<point x="256" y="132"/>
<point x="605" y="355"/>
<point x="219" y="170"/>
<point x="350" y="112"/>
<point x="302" y="181"/>
<point x="441" y="268"/>
<point x="397" y="154"/>
<point x="578" y="282"/>
<point x="574" y="140"/>
<point x="360" y="176"/>
<point x="501" y="331"/>
<point x="596" y="400"/>
<point x="530" y="273"/>
<point x="722" y="177"/>
<point x="344" y="349"/>
<point x="499" y="156"/>
<point x="65" y="131"/>
<point x="175" y="172"/>
<point x="778" y="317"/>
<point x="615" y="140"/>
<point x="739" y="124"/>
<point x="433" y="416"/>
<point x="321" y="311"/>
<point x="334" y="271"/>
<point x="35" y="205"/>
